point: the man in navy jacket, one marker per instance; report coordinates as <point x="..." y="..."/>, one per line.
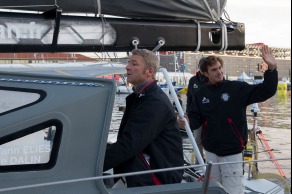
<point x="220" y="106"/>
<point x="195" y="83"/>
<point x="149" y="136"/>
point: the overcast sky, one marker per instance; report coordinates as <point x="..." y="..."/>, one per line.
<point x="266" y="21"/>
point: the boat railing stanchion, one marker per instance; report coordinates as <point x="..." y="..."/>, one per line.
<point x="249" y="172"/>
<point x="252" y="170"/>
<point x="181" y="113"/>
<point x="207" y="177"/>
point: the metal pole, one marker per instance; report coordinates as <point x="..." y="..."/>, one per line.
<point x="207" y="178"/>
<point x="181" y="113"/>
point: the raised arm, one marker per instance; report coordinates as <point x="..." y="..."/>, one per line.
<point x="268" y="88"/>
<point x="268" y="57"/>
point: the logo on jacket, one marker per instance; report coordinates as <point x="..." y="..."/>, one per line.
<point x="196" y="86"/>
<point x="205" y="100"/>
<point x="225" y="97"/>
<point x="141" y="95"/>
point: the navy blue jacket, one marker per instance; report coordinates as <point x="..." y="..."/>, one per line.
<point x="222" y="111"/>
<point x="195" y="83"/>
<point x="149" y="126"/>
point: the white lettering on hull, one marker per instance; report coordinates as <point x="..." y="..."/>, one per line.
<point x="9" y="151"/>
<point x="25" y="160"/>
<point x="33" y="154"/>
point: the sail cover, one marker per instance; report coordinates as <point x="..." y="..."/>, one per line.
<point x="203" y="10"/>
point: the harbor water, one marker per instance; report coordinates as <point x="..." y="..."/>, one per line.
<point x="274" y="120"/>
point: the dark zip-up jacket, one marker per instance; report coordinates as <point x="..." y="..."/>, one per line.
<point x="222" y="111"/>
<point x="195" y="83"/>
<point x="149" y="126"/>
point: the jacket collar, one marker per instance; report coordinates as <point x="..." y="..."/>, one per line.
<point x="201" y="77"/>
<point x="144" y="87"/>
<point x="218" y="84"/>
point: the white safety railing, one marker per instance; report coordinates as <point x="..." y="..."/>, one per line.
<point x="181" y="113"/>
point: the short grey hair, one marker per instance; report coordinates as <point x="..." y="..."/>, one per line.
<point x="151" y="60"/>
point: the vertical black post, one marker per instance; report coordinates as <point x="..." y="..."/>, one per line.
<point x="57" y="28"/>
<point x="207" y="178"/>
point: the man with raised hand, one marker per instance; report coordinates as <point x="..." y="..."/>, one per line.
<point x="220" y="106"/>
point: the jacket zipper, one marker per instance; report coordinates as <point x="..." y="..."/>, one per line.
<point x="235" y="130"/>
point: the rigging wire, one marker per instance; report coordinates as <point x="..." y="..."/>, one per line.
<point x="226" y="15"/>
<point x="121" y="175"/>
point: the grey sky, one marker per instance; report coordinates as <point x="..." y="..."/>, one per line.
<point x="266" y="21"/>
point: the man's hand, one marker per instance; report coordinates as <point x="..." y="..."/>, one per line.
<point x="181" y="121"/>
<point x="268" y="57"/>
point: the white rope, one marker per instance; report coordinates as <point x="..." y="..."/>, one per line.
<point x="224" y="38"/>
<point x="199" y="37"/>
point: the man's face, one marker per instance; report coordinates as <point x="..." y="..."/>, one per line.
<point x="136" y="70"/>
<point x="215" y="73"/>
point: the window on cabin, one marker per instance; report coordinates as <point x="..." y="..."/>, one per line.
<point x="30" y="148"/>
<point x="13" y="99"/>
<point x="34" y="148"/>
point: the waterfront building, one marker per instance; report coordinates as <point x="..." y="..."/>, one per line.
<point x="29" y="58"/>
<point x="236" y="62"/>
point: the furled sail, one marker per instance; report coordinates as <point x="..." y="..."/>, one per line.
<point x="149" y="24"/>
<point x="204" y="10"/>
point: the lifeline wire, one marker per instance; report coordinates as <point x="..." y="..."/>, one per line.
<point x="124" y="175"/>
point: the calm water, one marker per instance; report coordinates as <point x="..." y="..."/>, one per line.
<point x="274" y="113"/>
